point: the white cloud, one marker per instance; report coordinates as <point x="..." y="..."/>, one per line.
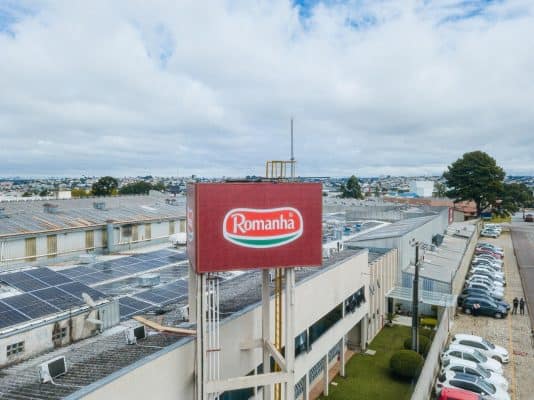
<point x="209" y="87"/>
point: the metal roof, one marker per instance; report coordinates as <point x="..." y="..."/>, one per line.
<point x="395" y="229"/>
<point x="425" y="296"/>
<point x="27" y="217"/>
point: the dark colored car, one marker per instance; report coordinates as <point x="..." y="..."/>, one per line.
<point x="480" y="293"/>
<point x="486" y="307"/>
<point x="529" y="218"/>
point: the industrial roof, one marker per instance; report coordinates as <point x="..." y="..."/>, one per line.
<point x="31" y="216"/>
<point x="395" y="229"/>
<point x="425" y="296"/>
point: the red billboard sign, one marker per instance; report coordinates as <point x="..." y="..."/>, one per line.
<point x="254" y="225"/>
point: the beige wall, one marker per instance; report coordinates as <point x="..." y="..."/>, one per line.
<point x="172" y="373"/>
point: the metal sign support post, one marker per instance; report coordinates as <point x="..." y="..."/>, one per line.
<point x="209" y="385"/>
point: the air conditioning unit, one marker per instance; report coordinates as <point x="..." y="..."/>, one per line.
<point x="184" y="313"/>
<point x="52" y="369"/>
<point x="132" y="335"/>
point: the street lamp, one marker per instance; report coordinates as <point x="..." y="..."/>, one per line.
<point x="415" y="299"/>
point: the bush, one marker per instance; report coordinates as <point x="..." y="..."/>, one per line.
<point x="406" y="364"/>
<point x="424" y="345"/>
<point x="430" y="322"/>
<point x="429" y="333"/>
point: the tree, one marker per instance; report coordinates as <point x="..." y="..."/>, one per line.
<point x="139" y="187"/>
<point x="514" y="197"/>
<point x="477" y="177"/>
<point x="351" y="189"/>
<point x="78" y="192"/>
<point x="440" y="189"/>
<point x="105" y="186"/>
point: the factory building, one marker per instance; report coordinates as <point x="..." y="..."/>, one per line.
<point x="41" y="232"/>
<point x="341" y="306"/>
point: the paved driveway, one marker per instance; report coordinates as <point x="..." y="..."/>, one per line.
<point x="513" y="333"/>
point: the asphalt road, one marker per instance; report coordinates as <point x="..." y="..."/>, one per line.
<point x="523" y="242"/>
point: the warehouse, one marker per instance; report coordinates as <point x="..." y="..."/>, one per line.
<point x="37" y="231"/>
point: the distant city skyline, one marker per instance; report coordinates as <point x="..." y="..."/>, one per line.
<point x="166" y="88"/>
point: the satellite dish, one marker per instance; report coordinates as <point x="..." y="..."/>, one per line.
<point x="88" y="300"/>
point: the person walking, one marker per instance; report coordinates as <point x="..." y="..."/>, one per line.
<point x="515" y="302"/>
<point x="522" y="306"/>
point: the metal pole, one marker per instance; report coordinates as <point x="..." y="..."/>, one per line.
<point x="415" y="302"/>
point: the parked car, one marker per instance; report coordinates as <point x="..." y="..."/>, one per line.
<point x="471" y="354"/>
<point x="490" y="233"/>
<point x="489" y="349"/>
<point x="480" y="278"/>
<point x="489" y="252"/>
<point x="491" y="275"/>
<point x="472" y="383"/>
<point x="486" y="307"/>
<point x="480" y="293"/>
<point x="486" y="268"/>
<point x="488" y="257"/>
<point x="492" y="291"/>
<point x="529" y="218"/>
<point x="491" y="247"/>
<point x="487" y="263"/>
<point x="458" y="394"/>
<point x="472" y="368"/>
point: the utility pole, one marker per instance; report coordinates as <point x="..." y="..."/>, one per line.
<point x="415" y="302"/>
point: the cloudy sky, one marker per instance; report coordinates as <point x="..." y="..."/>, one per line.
<point x="208" y="87"/>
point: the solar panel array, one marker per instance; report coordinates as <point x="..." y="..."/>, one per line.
<point x="123" y="267"/>
<point x="45" y="292"/>
<point x="48" y="292"/>
<point x="154" y="298"/>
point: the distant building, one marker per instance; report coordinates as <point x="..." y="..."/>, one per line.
<point x="422" y="188"/>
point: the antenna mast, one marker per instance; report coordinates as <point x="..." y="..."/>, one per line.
<point x="292" y="159"/>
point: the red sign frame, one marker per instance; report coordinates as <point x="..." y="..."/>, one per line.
<point x="254" y="225"/>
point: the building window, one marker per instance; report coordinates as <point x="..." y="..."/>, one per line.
<point x="14" y="349"/>
<point x="354" y="301"/>
<point x="59" y="334"/>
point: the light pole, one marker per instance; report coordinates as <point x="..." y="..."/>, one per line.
<point x="415" y="301"/>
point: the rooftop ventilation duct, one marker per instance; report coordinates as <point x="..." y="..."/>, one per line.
<point x="50" y="208"/>
<point x="99" y="205"/>
<point x="148" y="280"/>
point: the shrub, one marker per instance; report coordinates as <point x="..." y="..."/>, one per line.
<point x="406" y="364"/>
<point x="424" y="345"/>
<point x="430" y="322"/>
<point x="429" y="333"/>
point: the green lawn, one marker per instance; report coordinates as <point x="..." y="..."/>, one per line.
<point x="369" y="377"/>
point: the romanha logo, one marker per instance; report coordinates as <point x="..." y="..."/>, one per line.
<point x="262" y="228"/>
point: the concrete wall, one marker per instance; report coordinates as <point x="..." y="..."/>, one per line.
<point x="171" y="372"/>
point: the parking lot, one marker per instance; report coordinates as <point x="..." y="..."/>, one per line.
<point x="513" y="333"/>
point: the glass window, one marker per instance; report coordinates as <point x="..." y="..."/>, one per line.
<point x="14" y="349"/>
<point x="483" y="372"/>
<point x="488" y="344"/>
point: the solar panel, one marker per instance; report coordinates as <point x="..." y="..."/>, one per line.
<point x="77" y="271"/>
<point x="48" y="276"/>
<point x="88" y="279"/>
<point x="29" y="305"/>
<point x="151" y="297"/>
<point x="58" y="298"/>
<point x="76" y="289"/>
<point x="22" y="281"/>
<point x="9" y="317"/>
<point x="134" y="303"/>
<point x="126" y="311"/>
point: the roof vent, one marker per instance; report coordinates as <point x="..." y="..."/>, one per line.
<point x="52" y="369"/>
<point x="148" y="280"/>
<point x="132" y="335"/>
<point x="50" y="208"/>
<point x="99" y="205"/>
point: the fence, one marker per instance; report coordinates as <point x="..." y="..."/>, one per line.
<point x="424" y="385"/>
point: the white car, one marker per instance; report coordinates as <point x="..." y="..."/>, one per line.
<point x="498" y="353"/>
<point x="488" y="257"/>
<point x="471" y="354"/>
<point x="490" y="233"/>
<point x="483" y="268"/>
<point x="485" y="279"/>
<point x="488" y="246"/>
<point x="451" y="379"/>
<point x="472" y="368"/>
<point x="494" y="279"/>
<point x="487" y="264"/>
<point x="497" y="292"/>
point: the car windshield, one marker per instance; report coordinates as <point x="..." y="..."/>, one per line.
<point x="490" y="345"/>
<point x="446" y="363"/>
<point x="479" y="356"/>
<point x="488" y="387"/>
<point x="482" y="371"/>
